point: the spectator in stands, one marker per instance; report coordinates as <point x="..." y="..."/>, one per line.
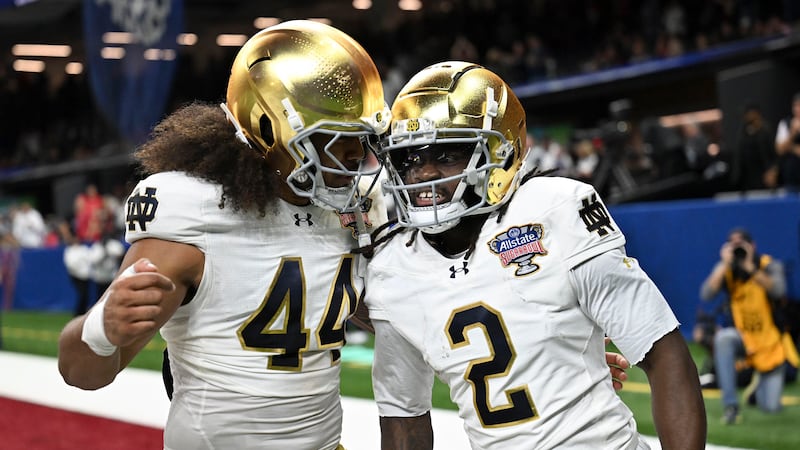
<point x="88" y="209"/>
<point x="27" y="226"/>
<point x="548" y="154"/>
<point x="586" y="160"/>
<point x="105" y="256"/>
<point x="58" y="232"/>
<point x="787" y="146"/>
<point x="79" y="267"/>
<point x="115" y="210"/>
<point x="752" y="281"/>
<point x="9" y="262"/>
<point x="754" y="153"/>
<point x="695" y="146"/>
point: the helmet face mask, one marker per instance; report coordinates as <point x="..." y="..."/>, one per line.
<point x="301" y="79"/>
<point x="457" y="105"/>
<point x="315" y="154"/>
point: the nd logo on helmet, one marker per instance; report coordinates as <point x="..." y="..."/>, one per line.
<point x="412" y="125"/>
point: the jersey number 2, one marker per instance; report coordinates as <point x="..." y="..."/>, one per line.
<point x="279" y="323"/>
<point x="520" y="406"/>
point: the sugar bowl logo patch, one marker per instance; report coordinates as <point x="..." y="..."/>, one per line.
<point x="519" y="245"/>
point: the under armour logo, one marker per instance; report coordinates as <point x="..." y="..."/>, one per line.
<point x="595" y="216"/>
<point x="306" y="219"/>
<point x="141" y="209"/>
<point x="454" y="270"/>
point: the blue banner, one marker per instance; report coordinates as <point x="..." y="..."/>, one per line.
<point x="131" y="81"/>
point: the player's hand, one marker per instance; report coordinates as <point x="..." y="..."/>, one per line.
<point x="617" y="365"/>
<point x="134" y="303"/>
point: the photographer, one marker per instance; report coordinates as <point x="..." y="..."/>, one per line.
<point x="753" y="282"/>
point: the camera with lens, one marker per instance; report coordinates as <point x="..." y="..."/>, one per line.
<point x="739" y="255"/>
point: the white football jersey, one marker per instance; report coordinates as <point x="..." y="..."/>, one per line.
<point x="255" y="353"/>
<point x="516" y="329"/>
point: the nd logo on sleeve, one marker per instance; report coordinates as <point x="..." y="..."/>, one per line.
<point x="141" y="209"/>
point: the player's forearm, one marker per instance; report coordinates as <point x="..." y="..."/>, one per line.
<point x="79" y="365"/>
<point x="678" y="408"/>
<point x="407" y="433"/>
<point x="680" y="420"/>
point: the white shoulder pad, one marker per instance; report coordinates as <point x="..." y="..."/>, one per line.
<point x="575" y="212"/>
<point x="170" y="206"/>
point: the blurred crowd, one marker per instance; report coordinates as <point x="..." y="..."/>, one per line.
<point x="91" y="238"/>
<point x="52" y="121"/>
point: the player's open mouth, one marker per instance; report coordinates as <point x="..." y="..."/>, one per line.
<point x="426" y="198"/>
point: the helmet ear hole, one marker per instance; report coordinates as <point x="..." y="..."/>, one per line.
<point x="267" y="134"/>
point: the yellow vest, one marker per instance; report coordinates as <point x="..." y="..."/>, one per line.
<point x="752" y="315"/>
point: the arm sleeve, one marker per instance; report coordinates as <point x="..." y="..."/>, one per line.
<point x="401" y="379"/>
<point x="614" y="290"/>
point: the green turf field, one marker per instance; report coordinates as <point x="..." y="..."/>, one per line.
<point x="37" y="333"/>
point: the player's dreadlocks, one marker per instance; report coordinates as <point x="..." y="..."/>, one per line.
<point x="198" y="139"/>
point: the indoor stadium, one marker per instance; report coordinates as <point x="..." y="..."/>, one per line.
<point x="681" y="118"/>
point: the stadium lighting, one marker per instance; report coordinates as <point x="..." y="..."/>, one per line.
<point x="73" y="68"/>
<point x="708" y="115"/>
<point x="410" y="5"/>
<point x="231" y="40"/>
<point x="117" y="37"/>
<point x="186" y="39"/>
<point x="156" y="54"/>
<point x="112" y="53"/>
<point x="41" y="50"/>
<point x="264" y="22"/>
<point x="28" y="65"/>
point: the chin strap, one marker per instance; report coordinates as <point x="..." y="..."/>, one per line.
<point x="364" y="239"/>
<point x="239" y="131"/>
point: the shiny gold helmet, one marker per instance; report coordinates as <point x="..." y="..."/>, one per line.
<point x="295" y="81"/>
<point x="466" y="107"/>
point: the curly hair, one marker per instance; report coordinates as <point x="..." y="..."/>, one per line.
<point x="197" y="139"/>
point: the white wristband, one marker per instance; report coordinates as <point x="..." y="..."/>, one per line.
<point x="94" y="332"/>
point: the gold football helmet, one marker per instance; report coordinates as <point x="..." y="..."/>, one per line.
<point x="299" y="79"/>
<point x="455" y="104"/>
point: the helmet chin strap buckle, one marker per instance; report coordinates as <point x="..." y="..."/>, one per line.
<point x="491" y="109"/>
<point x="294" y="119"/>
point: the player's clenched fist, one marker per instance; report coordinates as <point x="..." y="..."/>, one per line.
<point x="134" y="303"/>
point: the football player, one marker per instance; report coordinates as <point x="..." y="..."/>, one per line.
<point x="503" y="283"/>
<point x="240" y="247"/>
